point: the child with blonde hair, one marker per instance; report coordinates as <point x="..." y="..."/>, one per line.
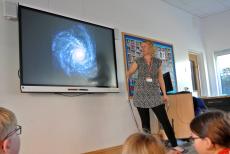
<point x="142" y="143"/>
<point x="9" y="131"/>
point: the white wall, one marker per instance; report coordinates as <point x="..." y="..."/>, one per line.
<point x="216" y="38"/>
<point x="57" y="124"/>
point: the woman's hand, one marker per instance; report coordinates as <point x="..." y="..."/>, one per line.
<point x="165" y="99"/>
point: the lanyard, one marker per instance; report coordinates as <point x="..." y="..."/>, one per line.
<point x="149" y="67"/>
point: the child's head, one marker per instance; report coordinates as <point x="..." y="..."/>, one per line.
<point x="140" y="143"/>
<point x="211" y="130"/>
<point x="9" y="131"/>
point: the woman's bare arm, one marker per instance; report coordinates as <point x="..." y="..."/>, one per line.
<point x="132" y="70"/>
<point x="162" y="84"/>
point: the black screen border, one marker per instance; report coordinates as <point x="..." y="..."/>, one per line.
<point x="63" y="88"/>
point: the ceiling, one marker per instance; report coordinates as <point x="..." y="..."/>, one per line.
<point x="201" y="8"/>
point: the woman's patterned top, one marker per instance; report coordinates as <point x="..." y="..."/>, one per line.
<point x="147" y="94"/>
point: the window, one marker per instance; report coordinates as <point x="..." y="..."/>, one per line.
<point x="223" y="71"/>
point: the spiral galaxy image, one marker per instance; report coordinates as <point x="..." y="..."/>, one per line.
<point x="74" y="51"/>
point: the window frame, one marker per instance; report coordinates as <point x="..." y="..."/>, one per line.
<point x="216" y="54"/>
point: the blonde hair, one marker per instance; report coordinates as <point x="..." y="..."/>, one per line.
<point x="8" y="122"/>
<point x="140" y="143"/>
<point x="150" y="43"/>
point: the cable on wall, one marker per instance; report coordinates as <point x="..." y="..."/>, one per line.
<point x="134" y="118"/>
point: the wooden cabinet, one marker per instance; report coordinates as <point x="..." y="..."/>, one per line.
<point x="180" y="112"/>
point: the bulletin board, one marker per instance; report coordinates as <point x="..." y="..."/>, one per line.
<point x="132" y="50"/>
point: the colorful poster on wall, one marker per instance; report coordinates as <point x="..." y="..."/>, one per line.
<point x="164" y="51"/>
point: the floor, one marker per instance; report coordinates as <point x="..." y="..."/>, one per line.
<point x="189" y="149"/>
<point x="188" y="146"/>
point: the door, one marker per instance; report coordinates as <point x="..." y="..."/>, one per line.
<point x="195" y="75"/>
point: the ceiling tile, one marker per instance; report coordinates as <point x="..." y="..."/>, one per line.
<point x="201" y="8"/>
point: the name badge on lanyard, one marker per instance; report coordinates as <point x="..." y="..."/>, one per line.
<point x="148" y="79"/>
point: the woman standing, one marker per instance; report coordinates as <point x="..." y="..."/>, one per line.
<point x="147" y="90"/>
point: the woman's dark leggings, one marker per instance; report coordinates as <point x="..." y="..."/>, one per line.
<point x="162" y="117"/>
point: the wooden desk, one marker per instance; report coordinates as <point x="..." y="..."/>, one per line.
<point x="180" y="113"/>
